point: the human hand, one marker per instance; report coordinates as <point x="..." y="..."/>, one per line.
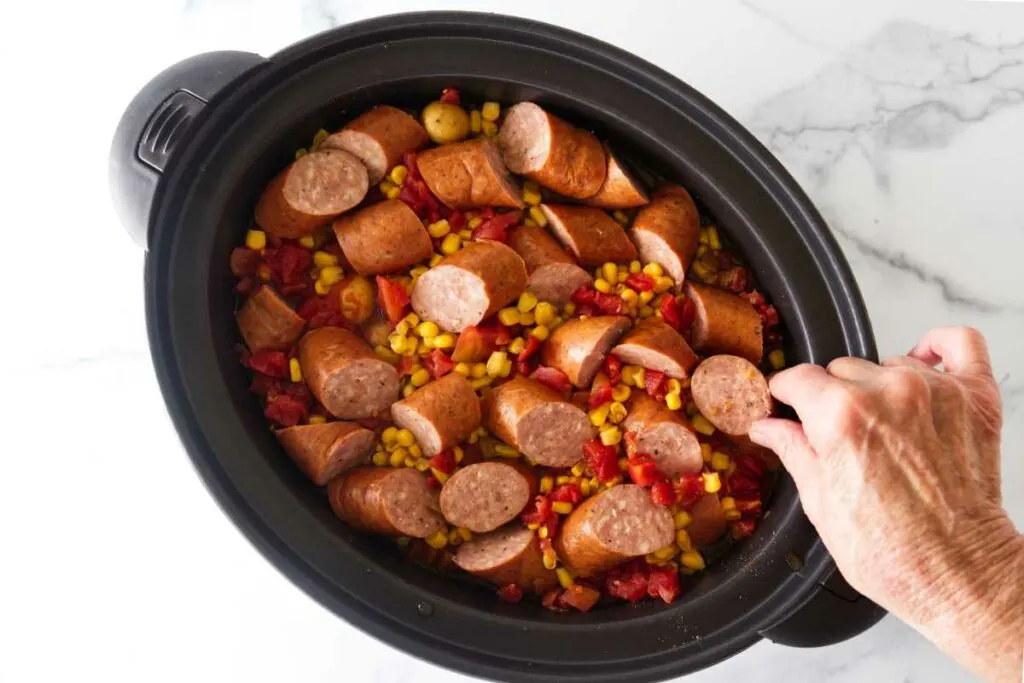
<point x="898" y="469"/>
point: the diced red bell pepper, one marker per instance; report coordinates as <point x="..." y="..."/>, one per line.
<point x="486" y="213"/>
<point x="405" y="365"/>
<point x="392" y="298"/>
<point x="608" y="304"/>
<point x="602" y="460"/>
<point x="641" y="282"/>
<point x="742" y="528"/>
<point x="457" y="220"/>
<point x="272" y="363"/>
<point x="437" y="363"/>
<point x="750" y="463"/>
<point x="322" y="311"/>
<point x="444" y="461"/>
<point x="613" y="368"/>
<point x="742" y="483"/>
<point x="511" y="594"/>
<point x="687" y="313"/>
<point x="580" y="597"/>
<point x="537" y="512"/>
<point x="628" y="582"/>
<point x="432" y="482"/>
<point x="526" y="367"/>
<point x="691" y="489"/>
<point x="475" y="344"/>
<point x="244" y="262"/>
<point x="629" y="440"/>
<point x="600" y="395"/>
<point x="663" y="582"/>
<point x="551" y="523"/>
<point x="589" y="310"/>
<point x="749" y="507"/>
<point x="553" y="378"/>
<point x="583" y="295"/>
<point x="285" y="408"/>
<point x="450" y="96"/>
<point x="567" y="493"/>
<point x="669" y="311"/>
<point x="642" y="470"/>
<point x="654" y="383"/>
<point x="532" y="346"/>
<point x="288" y="263"/>
<point x="262" y="384"/>
<point x="662" y="492"/>
<point x="497" y="228"/>
<point x="551" y="600"/>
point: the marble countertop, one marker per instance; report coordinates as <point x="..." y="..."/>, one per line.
<point x="903" y="121"/>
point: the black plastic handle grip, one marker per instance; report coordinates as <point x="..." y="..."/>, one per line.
<point x="154" y="124"/>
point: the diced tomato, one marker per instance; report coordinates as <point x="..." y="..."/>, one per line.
<point x="409" y="160"/>
<point x="475" y="344"/>
<point x="641" y="282"/>
<point x="288" y="263"/>
<point x="669" y="311"/>
<point x="437" y="363"/>
<point x="628" y="582"/>
<point x="553" y="378"/>
<point x="589" y="310"/>
<point x="550" y="600"/>
<point x="432" y="482"/>
<point x="580" y="596"/>
<point x="497" y="228"/>
<point x="691" y="489"/>
<point x="662" y="492"/>
<point x="457" y="220"/>
<point x="602" y="460"/>
<point x="642" y="470"/>
<point x="526" y="367"/>
<point x="608" y="304"/>
<point x="321" y="311"/>
<point x="600" y="395"/>
<point x="273" y="363"/>
<point x="613" y="368"/>
<point x="405" y="365"/>
<point x="408" y="195"/>
<point x="687" y="313"/>
<point x="511" y="594"/>
<point x="392" y="298"/>
<point x="742" y="528"/>
<point x="629" y="440"/>
<point x="263" y="384"/>
<point x="654" y="383"/>
<point x="532" y="345"/>
<point x="750" y="463"/>
<point x="742" y="483"/>
<point x="537" y="512"/>
<point x="487" y="213"/>
<point x="284" y="408"/>
<point x="450" y="96"/>
<point x="663" y="582"/>
<point x="583" y="295"/>
<point x="244" y="261"/>
<point x="567" y="493"/>
<point x="551" y="523"/>
<point x="749" y="507"/>
<point x="444" y="461"/>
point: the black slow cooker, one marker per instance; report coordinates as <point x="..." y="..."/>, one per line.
<point x="190" y="157"/>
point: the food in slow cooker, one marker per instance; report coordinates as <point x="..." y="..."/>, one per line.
<point x="491" y="343"/>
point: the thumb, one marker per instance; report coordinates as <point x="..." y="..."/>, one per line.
<point x="788" y="440"/>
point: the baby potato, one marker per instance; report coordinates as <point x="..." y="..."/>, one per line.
<point x="356" y="298"/>
<point x="445" y="122"/>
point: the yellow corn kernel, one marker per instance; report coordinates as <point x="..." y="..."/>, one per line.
<point x="415" y="451"/>
<point x="563" y="479"/>
<point x="517" y="346"/>
<point x="650" y="558"/>
<point x="728" y="503"/>
<point x="506" y="368"/>
<point x="599" y="415"/>
<point x="256" y="239"/>
<point x="578" y="469"/>
<point x="526" y="318"/>
<point x="323" y="259"/>
<point x="616" y="412"/>
<point x="602" y="285"/>
<point x="562" y="507"/>
<point x="505" y="451"/>
<point x="531" y="194"/>
<point x="318" y="139"/>
<point x="544" y="313"/>
<point x="451" y="244"/>
<point x="405" y="438"/>
<point x="331" y="275"/>
<point x="529" y="222"/>
<point x="585" y="487"/>
<point x="720" y="461"/>
<point x="705" y="452"/>
<point x="420" y="377"/>
<point x="438" y="539"/>
<point x="445" y="340"/>
<point x="439" y="229"/>
<point x="390" y="436"/>
<point x="301" y="152"/>
<point x="654" y="270"/>
<point x="317" y="419"/>
<point x="439" y="475"/>
<point x="646" y="297"/>
<point x="541" y="332"/>
<point x="621" y="277"/>
<point x="307" y="242"/>
<point x="464" y="533"/>
<point x="393" y="192"/>
<point x="436" y="259"/>
<point x="683" y="540"/>
<point x="380" y="459"/>
<point x="691" y="559"/>
<point x="527" y="302"/>
<point x="701" y="424"/>
<point x="462" y="369"/>
<point x="537" y="216"/>
<point x="489" y="128"/>
<point x="478" y="370"/>
<point x="458" y="454"/>
<point x="620" y="393"/>
<point x="666" y="553"/>
<point x="609" y="271"/>
<point x="549" y="558"/>
<point x="509" y="316"/>
<point x="714" y="241"/>
<point x="496" y="362"/>
<point x="387" y="186"/>
<point x="454" y="538"/>
<point x="410" y="461"/>
<point x="595" y="484"/>
<point x="466" y="234"/>
<point x="475" y="119"/>
<point x="703" y="238"/>
<point x="547" y="483"/>
<point x="663" y="284"/>
<point x="703" y="270"/>
<point x="480" y="382"/>
<point x="732" y="515"/>
<point x="398" y="174"/>
<point x="398" y="457"/>
<point x="427" y="329"/>
<point x="568" y="309"/>
<point x="614" y="481"/>
<point x="633" y="375"/>
<point x="682" y="519"/>
<point x="399" y="344"/>
<point x="564" y="577"/>
<point x="628" y="296"/>
<point x="777" y="359"/>
<point x="295" y="370"/>
<point x="474" y="222"/>
<point x="321" y="288"/>
<point x="673" y="401"/>
<point x="620" y="217"/>
<point x="712" y="482"/>
<point x="611" y="435"/>
<point x="490" y="111"/>
<point x="403" y="327"/>
<point x="673" y="386"/>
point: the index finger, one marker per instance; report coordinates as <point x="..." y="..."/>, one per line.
<point x="961" y="350"/>
<point x="800" y="387"/>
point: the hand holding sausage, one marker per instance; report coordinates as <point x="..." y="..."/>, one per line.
<point x="898" y="468"/>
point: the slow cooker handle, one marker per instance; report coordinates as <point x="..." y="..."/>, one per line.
<point x="154" y="125"/>
<point x="835" y="613"/>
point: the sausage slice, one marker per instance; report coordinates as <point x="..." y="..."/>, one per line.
<point x="382" y="500"/>
<point x="469" y="285"/>
<point x="620" y="189"/>
<point x="667" y="231"/>
<point x="508" y="555"/>
<point x="439" y="414"/>
<point x="486" y="495"/>
<point x="554" y="275"/>
<point x="578" y="346"/>
<point x="465" y="175"/>
<point x="590" y="234"/>
<point x="615" y="525"/>
<point x="556" y="154"/>
<point x="311" y="192"/>
<point x="731" y="393"/>
<point x="379" y="138"/>
<point x="725" y="323"/>
<point x="345" y="374"/>
<point x="708" y="523"/>
<point x="663" y="435"/>
<point x="534" y="419"/>
<point x="383" y="238"/>
<point x="653" y="344"/>
<point x="266" y="321"/>
<point x="323" y="451"/>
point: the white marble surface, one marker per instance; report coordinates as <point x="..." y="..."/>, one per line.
<point x="904" y="121"/>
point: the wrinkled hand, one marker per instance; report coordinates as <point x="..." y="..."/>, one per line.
<point x="898" y="469"/>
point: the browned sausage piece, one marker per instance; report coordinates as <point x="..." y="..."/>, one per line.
<point x="323" y="451"/>
<point x="485" y="496"/>
<point x="266" y="321"/>
<point x="554" y="275"/>
<point x="556" y="154"/>
<point x="578" y="346"/>
<point x="615" y="525"/>
<point x="620" y="189"/>
<point x="708" y="521"/>
<point x="667" y="231"/>
<point x="383" y="500"/>
<point x="534" y="419"/>
<point x="663" y="435"/>
<point x="590" y="234"/>
<point x="655" y="345"/>
<point x="379" y="138"/>
<point x="345" y="374"/>
<point x="383" y="238"/>
<point x="731" y="393"/>
<point x="439" y="414"/>
<point x="465" y="175"/>
<point x="725" y="323"/>
<point x="469" y="285"/>
<point x="314" y="190"/>
<point x="508" y="555"/>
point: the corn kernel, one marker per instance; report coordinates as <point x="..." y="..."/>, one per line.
<point x="663" y="284"/>
<point x="564" y="577"/>
<point x="529" y="222"/>
<point x="683" y="540"/>
<point x="602" y="285"/>
<point x="526" y="318"/>
<point x="420" y="377"/>
<point x="537" y="216"/>
<point x="629" y="296"/>
<point x="547" y="483"/>
<point x="408" y="390"/>
<point x="427" y="329"/>
<point x="585" y="487"/>
<point x="331" y="275"/>
<point x="623" y="464"/>
<point x="495" y="363"/>
<point x="451" y="244"/>
<point x="321" y="288"/>
<point x="307" y="242"/>
<point x="403" y="327"/>
<point x="398" y="343"/>
<point x="295" y="370"/>
<point x="436" y="259"/>
<point x="323" y="259"/>
<point x="458" y="454"/>
<point x="393" y="192"/>
<point x="508" y="316"/>
<point x="614" y="481"/>
<point x="714" y="241"/>
<point x="446" y="340"/>
<point x="617" y="412"/>
<point x="646" y="297"/>
<point x="517" y="346"/>
<point x="490" y="111"/>
<point x="720" y="461"/>
<point x="673" y="386"/>
<point x="527" y="302"/>
<point x="415" y="451"/>
<point x="439" y="229"/>
<point x="398" y="457"/>
<point x="620" y="393"/>
<point x="387" y="186"/>
<point x="599" y="415"/>
<point x="691" y="559"/>
<point x="653" y="269"/>
<point x="480" y="382"/>
<point x="389" y="436"/>
<point x="682" y="519"/>
<point x="666" y="553"/>
<point x="478" y="370"/>
<point x="398" y="174"/>
<point x="464" y="533"/>
<point x="703" y="271"/>
<point x="541" y="332"/>
<point x="777" y="359"/>
<point x="505" y="451"/>
<point x="705" y="452"/>
<point x="489" y="128"/>
<point x="506" y="368"/>
<point x="439" y="475"/>
<point x="454" y="538"/>
<point x="466" y="234"/>
<point x="531" y="195"/>
<point x="634" y="375"/>
<point x="549" y="558"/>
<point x="380" y="459"/>
<point x="256" y="239"/>
<point x="701" y="424"/>
<point x="611" y="436"/>
<point x="563" y="479"/>
<point x="645" y="312"/>
<point x="562" y="507"/>
<point x="673" y="401"/>
<point x="462" y="369"/>
<point x="474" y="121"/>
<point x="732" y="515"/>
<point x="475" y="222"/>
<point x="712" y="482"/>
<point x="437" y="540"/>
<point x="620" y="217"/>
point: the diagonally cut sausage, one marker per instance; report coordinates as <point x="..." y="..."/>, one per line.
<point x="667" y="231"/>
<point x="554" y="275"/>
<point x="266" y="321"/>
<point x="664" y="435"/>
<point x="510" y="555"/>
<point x="620" y="189"/>
<point x="346" y="376"/>
<point x="590" y="234"/>
<point x="578" y="346"/>
<point x="653" y="344"/>
<point x="382" y="500"/>
<point x="323" y="451"/>
<point x="470" y="174"/>
<point x="379" y="138"/>
<point x="440" y="414"/>
<point x="725" y="323"/>
<point x="383" y="238"/>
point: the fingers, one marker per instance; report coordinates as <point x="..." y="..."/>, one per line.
<point x="800" y="387"/>
<point x="961" y="350"/>
<point x="906" y="362"/>
<point x="788" y="440"/>
<point x="852" y="369"/>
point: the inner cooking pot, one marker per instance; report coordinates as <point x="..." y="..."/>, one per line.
<point x="200" y="142"/>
